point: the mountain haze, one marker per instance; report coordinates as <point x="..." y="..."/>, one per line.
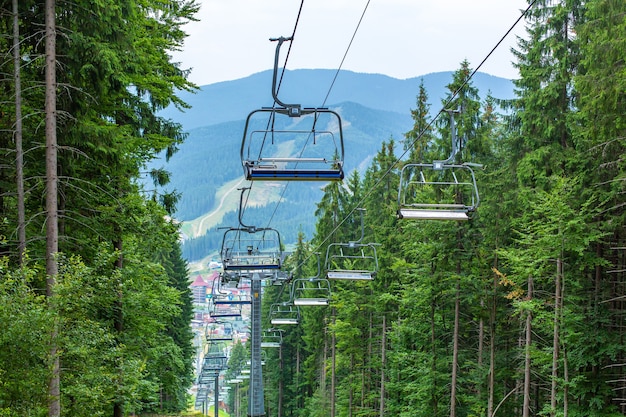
<point x="207" y="168"/>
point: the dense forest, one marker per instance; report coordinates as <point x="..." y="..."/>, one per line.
<point x="518" y="311"/>
<point x="95" y="307"/>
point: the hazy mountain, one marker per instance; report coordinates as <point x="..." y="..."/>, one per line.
<point x="207" y="169"/>
<point x="233" y="100"/>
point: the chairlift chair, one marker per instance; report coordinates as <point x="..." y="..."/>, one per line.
<point x="250" y="248"/>
<point x="271" y="338"/>
<point x="289" y="143"/>
<point x="214" y="362"/>
<point x="313" y="291"/>
<point x="276" y="147"/>
<point x="437" y="192"/>
<point x="352" y="260"/>
<point x="284" y="314"/>
<point x="310" y="292"/>
<point x="228" y="295"/>
<point x="225" y="311"/>
<point x="441" y="190"/>
<point x="226" y="336"/>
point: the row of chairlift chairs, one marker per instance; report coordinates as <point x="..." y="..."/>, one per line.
<point x="439" y="190"/>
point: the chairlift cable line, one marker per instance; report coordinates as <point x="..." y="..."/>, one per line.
<point x="419" y="136"/>
<point x="332" y="84"/>
<point x="293" y="34"/>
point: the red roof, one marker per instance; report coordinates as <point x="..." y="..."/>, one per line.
<point x="199" y="282"/>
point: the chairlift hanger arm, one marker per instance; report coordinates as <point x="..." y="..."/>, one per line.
<point x="455" y="142"/>
<point x="294" y="110"/>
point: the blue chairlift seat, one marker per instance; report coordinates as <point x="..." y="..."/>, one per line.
<point x="277" y="146"/>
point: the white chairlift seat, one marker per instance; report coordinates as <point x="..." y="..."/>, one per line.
<point x="351" y="261"/>
<point x="348" y="274"/>
<point x="278" y="146"/>
<point x="310" y="292"/>
<point x="437" y="191"/>
<point x="271" y="338"/>
<point x="284" y="313"/>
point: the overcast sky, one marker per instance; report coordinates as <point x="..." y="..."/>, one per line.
<point x="399" y="38"/>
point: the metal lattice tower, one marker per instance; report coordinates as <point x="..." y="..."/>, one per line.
<point x="256" y="399"/>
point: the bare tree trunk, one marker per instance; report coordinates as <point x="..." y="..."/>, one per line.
<point x="19" y="151"/>
<point x="351" y="392"/>
<point x="564" y="352"/>
<point x="481" y="345"/>
<point x="492" y="348"/>
<point x="529" y="316"/>
<point x="382" y="367"/>
<point x="565" y="388"/>
<point x="280" y="380"/>
<point x="555" y="336"/>
<point x="433" y="366"/>
<point x="455" y="349"/>
<point x="118" y="322"/>
<point x="52" y="215"/>
<point x="332" y="369"/>
<point x="299" y="395"/>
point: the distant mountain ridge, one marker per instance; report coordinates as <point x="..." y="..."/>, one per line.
<point x="374" y="108"/>
<point x="233" y="100"/>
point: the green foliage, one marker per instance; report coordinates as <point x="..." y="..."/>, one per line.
<point x="121" y="304"/>
<point x="552" y="191"/>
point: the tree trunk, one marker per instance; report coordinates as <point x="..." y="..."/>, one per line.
<point x="481" y="345"/>
<point x="351" y="392"/>
<point x="455" y="350"/>
<point x="332" y="369"/>
<point x="433" y="366"/>
<point x="118" y="323"/>
<point x="564" y="351"/>
<point x="527" y="344"/>
<point x="492" y="348"/>
<point x="280" y="380"/>
<point x="555" y="336"/>
<point x="19" y="151"/>
<point x="52" y="215"/>
<point x="299" y="402"/>
<point x="382" y="367"/>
